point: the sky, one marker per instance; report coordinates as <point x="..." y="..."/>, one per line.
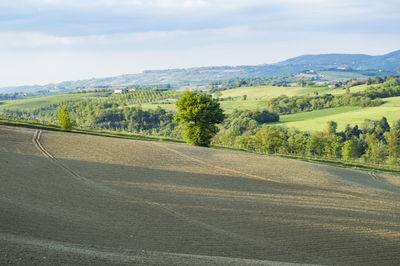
<point x="48" y="41"/>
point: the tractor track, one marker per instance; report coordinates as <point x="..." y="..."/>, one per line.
<point x="36" y="141"/>
<point x="85" y="200"/>
<point x="164" y="207"/>
<point x="374" y="175"/>
<point x="229" y="170"/>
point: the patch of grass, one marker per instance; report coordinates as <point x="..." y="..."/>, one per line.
<point x="147" y="106"/>
<point x="341" y="75"/>
<point x="316" y="114"/>
<point x="258" y="96"/>
<point x="230" y="106"/>
<point x="267" y="92"/>
<point x="33" y="103"/>
<point x="317" y="120"/>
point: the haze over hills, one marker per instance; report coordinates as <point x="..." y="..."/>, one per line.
<point x="200" y="75"/>
<point x="389" y="62"/>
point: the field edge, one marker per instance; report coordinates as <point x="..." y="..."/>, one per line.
<point x="323" y="161"/>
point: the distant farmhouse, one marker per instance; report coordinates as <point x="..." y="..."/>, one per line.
<point x="111" y="89"/>
<point x="120" y="90"/>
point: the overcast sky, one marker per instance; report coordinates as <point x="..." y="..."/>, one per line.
<point x="44" y="41"/>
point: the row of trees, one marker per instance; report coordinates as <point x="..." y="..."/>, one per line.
<point x="98" y="111"/>
<point x="295" y="104"/>
<point x="221" y="85"/>
<point x="373" y="141"/>
<point x="390" y="87"/>
<point x="131" y="119"/>
<point x="198" y="114"/>
<point x="103" y="115"/>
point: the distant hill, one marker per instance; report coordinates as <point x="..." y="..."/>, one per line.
<point x="388" y="63"/>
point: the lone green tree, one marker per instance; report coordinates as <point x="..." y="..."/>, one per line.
<point x="64" y="119"/>
<point x="198" y="114"/>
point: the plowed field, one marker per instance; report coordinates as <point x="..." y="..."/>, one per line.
<point x="68" y="199"/>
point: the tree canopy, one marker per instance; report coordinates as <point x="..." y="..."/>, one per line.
<point x="198" y="114"/>
<point x="64" y="119"/>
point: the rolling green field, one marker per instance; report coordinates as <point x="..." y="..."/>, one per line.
<point x="341" y="75"/>
<point x="257" y="98"/>
<point x="266" y="92"/>
<point x="147" y="106"/>
<point x="316" y="120"/>
<point x="33" y="103"/>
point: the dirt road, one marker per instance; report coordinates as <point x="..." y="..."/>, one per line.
<point x="68" y="199"/>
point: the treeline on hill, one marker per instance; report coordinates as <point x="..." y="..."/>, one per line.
<point x="241" y="123"/>
<point x="372" y="96"/>
<point x="281" y="80"/>
<point x="11" y="96"/>
<point x="372" y="142"/>
<point x="131" y="119"/>
<point x="21" y="95"/>
<point x="155" y="87"/>
<point x="111" y="113"/>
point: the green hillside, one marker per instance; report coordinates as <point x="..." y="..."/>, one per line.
<point x="309" y="121"/>
<point x="257" y="96"/>
<point x="317" y="120"/>
<point x="34" y="103"/>
<point x="341" y="75"/>
<point x="388" y="64"/>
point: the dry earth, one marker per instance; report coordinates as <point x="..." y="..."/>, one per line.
<point x="68" y="199"/>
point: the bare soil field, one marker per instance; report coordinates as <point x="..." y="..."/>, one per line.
<point x="71" y="199"/>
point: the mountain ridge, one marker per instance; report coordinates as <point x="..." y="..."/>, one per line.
<point x="201" y="75"/>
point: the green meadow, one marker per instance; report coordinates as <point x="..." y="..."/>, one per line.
<point x="34" y="103"/>
<point x="266" y="92"/>
<point x="341" y="75"/>
<point x="317" y="120"/>
<point x="257" y="98"/>
<point x="147" y="106"/>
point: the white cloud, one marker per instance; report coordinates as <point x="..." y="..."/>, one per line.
<point x="32" y="40"/>
<point x="109" y="37"/>
<point x="175" y="39"/>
